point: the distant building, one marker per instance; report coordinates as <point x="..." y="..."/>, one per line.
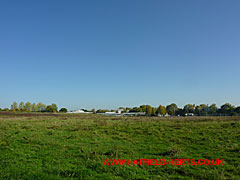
<point x="129" y="114"/>
<point x="110" y="112"/>
<point x="166" y="115"/>
<point x="141" y="113"/>
<point x="119" y="111"/>
<point x="80" y="111"/>
<point x="189" y="114"/>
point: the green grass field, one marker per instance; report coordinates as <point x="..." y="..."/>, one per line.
<point x="63" y="146"/>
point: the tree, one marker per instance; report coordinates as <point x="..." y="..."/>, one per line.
<point x="41" y="107"/>
<point x="63" y="110"/>
<point x="227" y="109"/>
<point x="148" y="110"/>
<point x="143" y="108"/>
<point x="180" y="112"/>
<point x="172" y="109"/>
<point x="213" y="109"/>
<point x="55" y="108"/>
<point x="102" y="110"/>
<point x="49" y="108"/>
<point x="128" y="109"/>
<point x="93" y="111"/>
<point x="28" y="106"/>
<point x="21" y="106"/>
<point x="189" y="108"/>
<point x="34" y="107"/>
<point x="154" y="111"/>
<point x="161" y="110"/>
<point x="203" y="109"/>
<point x="237" y="110"/>
<point x="135" y="109"/>
<point x="14" y="106"/>
<point x="197" y="110"/>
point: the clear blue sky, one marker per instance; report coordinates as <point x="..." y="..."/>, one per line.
<point x="111" y="53"/>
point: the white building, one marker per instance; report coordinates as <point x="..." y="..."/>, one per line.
<point x="79" y="111"/>
<point x="119" y="111"/>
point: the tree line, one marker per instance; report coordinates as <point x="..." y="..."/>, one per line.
<point x="190" y="109"/>
<point x="33" y="107"/>
<point x="226" y="109"/>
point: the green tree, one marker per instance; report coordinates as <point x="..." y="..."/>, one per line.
<point x="63" y="110"/>
<point x="203" y="109"/>
<point x="227" y="109"/>
<point x="102" y="110"/>
<point x="14" y="106"/>
<point x="172" y="109"/>
<point x="148" y="110"/>
<point x="189" y="108"/>
<point x="154" y="111"/>
<point x="128" y="109"/>
<point x="55" y="108"/>
<point x="237" y="110"/>
<point x="161" y="110"/>
<point x="197" y="110"/>
<point x="34" y="107"/>
<point x="135" y="109"/>
<point x="41" y="107"/>
<point x="180" y="112"/>
<point x="143" y="108"/>
<point x="21" y="106"/>
<point x="213" y="109"/>
<point x="28" y="106"/>
<point x="49" y="108"/>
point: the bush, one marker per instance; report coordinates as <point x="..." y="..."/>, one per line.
<point x="63" y="110"/>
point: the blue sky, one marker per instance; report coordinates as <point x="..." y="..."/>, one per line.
<point x="106" y="54"/>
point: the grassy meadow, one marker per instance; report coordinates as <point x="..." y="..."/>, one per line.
<point x="72" y="146"/>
